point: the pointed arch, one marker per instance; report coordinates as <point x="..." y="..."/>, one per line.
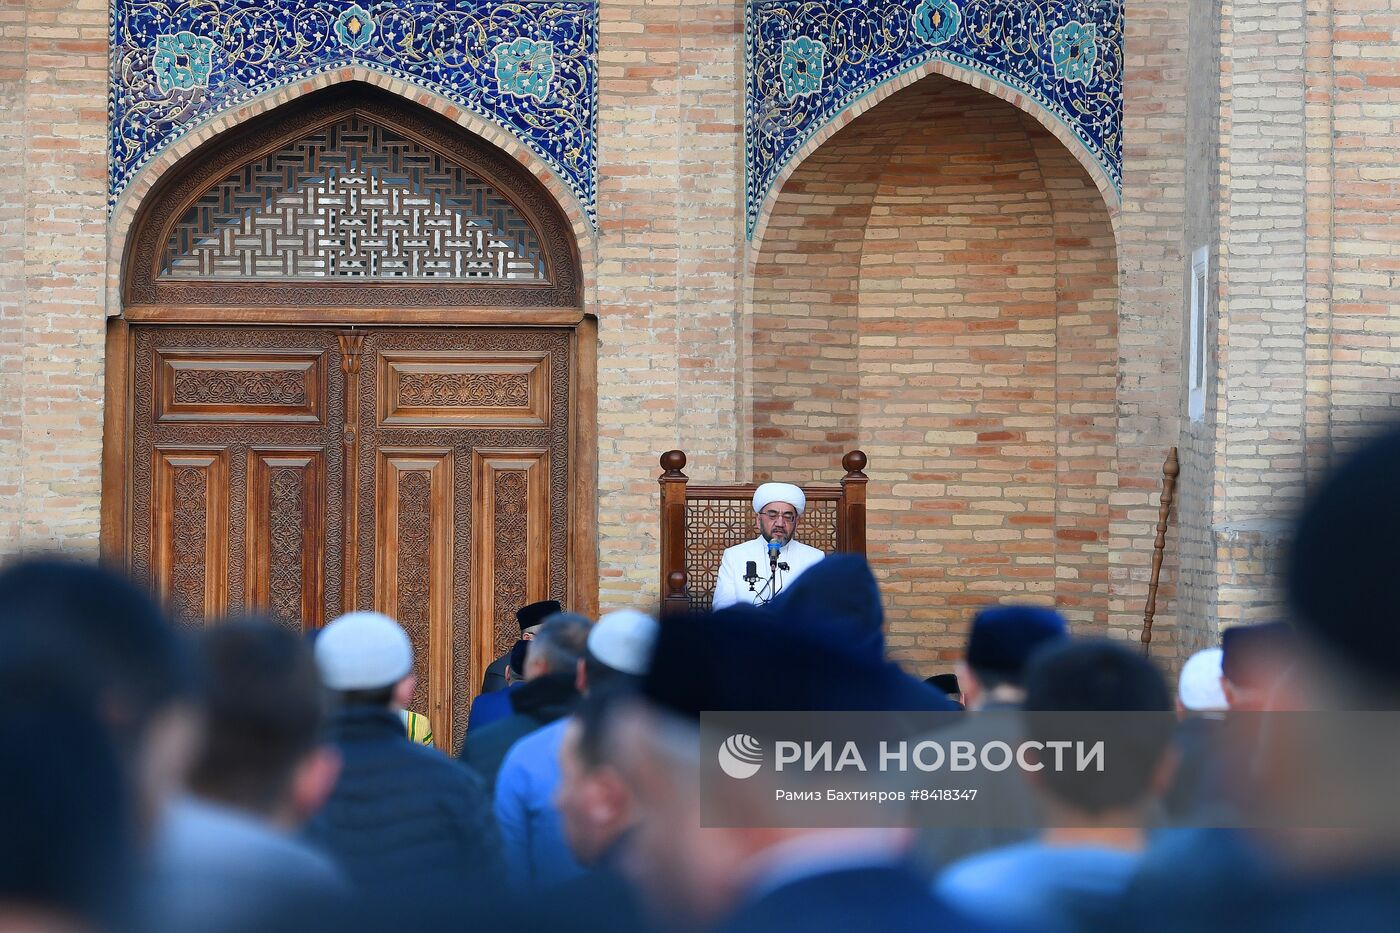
<point x="983" y="82"/>
<point x="394" y="100"/>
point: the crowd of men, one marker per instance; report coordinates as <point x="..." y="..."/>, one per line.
<point x="248" y="777"/>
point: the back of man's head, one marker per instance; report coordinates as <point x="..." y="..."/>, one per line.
<point x="69" y="847"/>
<point x="102" y="626"/>
<point x="264" y="710"/>
<point x="362" y="658"/>
<point x="557" y="645"/>
<point x="618" y="650"/>
<point x="1004" y="638"/>
<point x="1344" y="557"/>
<point x="1070" y="682"/>
<point x="1253" y="658"/>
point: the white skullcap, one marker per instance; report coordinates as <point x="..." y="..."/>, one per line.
<point x="1199" y="688"/>
<point x="769" y="493"/>
<point x="363" y="651"/>
<point x="623" y="640"/>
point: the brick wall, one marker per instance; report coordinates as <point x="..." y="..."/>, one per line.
<point x="936" y="283"/>
<point x="53" y="85"/>
<point x="669" y="251"/>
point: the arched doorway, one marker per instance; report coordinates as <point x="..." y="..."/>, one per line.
<point x="937" y="283"/>
<point x="347" y="376"/>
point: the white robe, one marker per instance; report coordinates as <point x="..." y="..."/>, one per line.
<point x="731" y="587"/>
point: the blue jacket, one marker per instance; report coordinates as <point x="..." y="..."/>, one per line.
<point x="532" y="831"/>
<point x="411" y="829"/>
<point x="490" y="707"/>
<point x="875" y="899"/>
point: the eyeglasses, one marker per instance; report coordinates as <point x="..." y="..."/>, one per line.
<point x="775" y="516"/>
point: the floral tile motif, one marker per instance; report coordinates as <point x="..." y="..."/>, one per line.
<point x="524" y="68"/>
<point x="1066" y="55"/>
<point x="804" y="63"/>
<point x="1073" y="50"/>
<point x="355" y="28"/>
<point x="173" y="64"/>
<point x="182" y="62"/>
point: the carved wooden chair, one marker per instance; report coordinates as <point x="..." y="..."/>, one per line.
<point x="699" y="522"/>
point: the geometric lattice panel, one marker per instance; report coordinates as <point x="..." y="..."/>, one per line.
<point x="353" y="200"/>
<point x="714" y="525"/>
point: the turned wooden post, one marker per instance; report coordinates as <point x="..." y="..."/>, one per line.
<point x="675" y="596"/>
<point x="1170" y="470"/>
<point x="850" y="519"/>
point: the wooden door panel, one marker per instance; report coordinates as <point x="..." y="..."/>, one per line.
<point x="286" y="386"/>
<point x="510" y="497"/>
<point x="413" y="545"/>
<point x="287" y="534"/>
<point x="301" y="472"/>
<point x="189" y="541"/>
<point x="463" y="388"/>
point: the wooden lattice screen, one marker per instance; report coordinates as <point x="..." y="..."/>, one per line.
<point x="699" y="522"/>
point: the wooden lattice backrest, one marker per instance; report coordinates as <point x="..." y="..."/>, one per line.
<point x="699" y="522"/>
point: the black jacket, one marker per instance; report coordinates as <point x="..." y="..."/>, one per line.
<point x="411" y="828"/>
<point x="495" y="678"/>
<point x="534" y="703"/>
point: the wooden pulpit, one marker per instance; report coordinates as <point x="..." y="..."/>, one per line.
<point x="699" y="522"/>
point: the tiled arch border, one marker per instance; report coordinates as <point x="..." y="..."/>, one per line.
<point x="983" y="82"/>
<point x="133" y="198"/>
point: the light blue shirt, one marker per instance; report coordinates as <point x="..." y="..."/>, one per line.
<point x="1034" y="886"/>
<point x="532" y="831"/>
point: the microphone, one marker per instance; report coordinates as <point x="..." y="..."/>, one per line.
<point x="751" y="573"/>
<point x="774" y="549"/>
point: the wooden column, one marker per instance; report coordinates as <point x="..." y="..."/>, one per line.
<point x="351" y="346"/>
<point x="675" y="597"/>
<point x="850" y="519"/>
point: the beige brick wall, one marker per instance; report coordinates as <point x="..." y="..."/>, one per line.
<point x="669" y="253"/>
<point x="937" y="284"/>
<point x="53" y="80"/>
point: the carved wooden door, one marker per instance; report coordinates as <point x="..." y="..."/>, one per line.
<point x="305" y="472"/>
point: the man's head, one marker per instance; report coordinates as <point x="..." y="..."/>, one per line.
<point x="366" y="659"/>
<point x="1198" y="690"/>
<point x="779" y="508"/>
<point x="1253" y="659"/>
<point x="1074" y="678"/>
<point x="69" y="852"/>
<point x="593" y="799"/>
<point x="557" y="645"/>
<point x="617" y="651"/>
<point x="264" y="707"/>
<point x="112" y="636"/>
<point x="1002" y="641"/>
<point x="532" y="615"/>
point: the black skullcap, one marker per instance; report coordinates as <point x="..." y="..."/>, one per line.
<point x="534" y="613"/>
<point x="948" y="683"/>
<point x="1344" y="559"/>
<point x="1003" y="638"/>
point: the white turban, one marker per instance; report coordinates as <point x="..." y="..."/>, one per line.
<point x="769" y="493"/>
<point x="1199" y="688"/>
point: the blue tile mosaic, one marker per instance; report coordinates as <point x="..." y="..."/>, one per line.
<point x="530" y="66"/>
<point x="807" y="60"/>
